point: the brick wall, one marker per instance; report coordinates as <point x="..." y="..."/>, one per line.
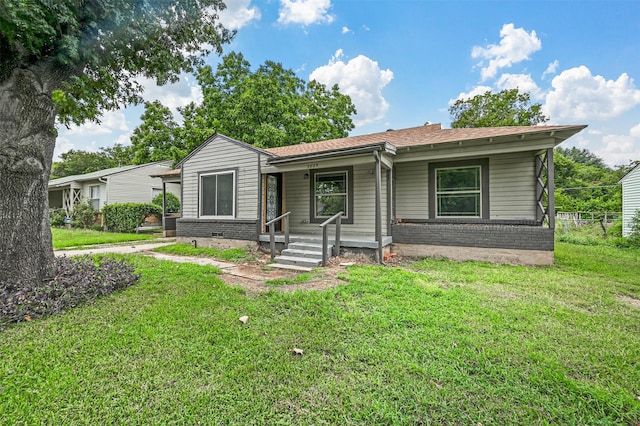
<point x="519" y="237"/>
<point x="228" y="229"/>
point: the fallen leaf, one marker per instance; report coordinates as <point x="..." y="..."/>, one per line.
<point x="297" y="351"/>
<point x="27" y="318"/>
<point x="244" y="319"/>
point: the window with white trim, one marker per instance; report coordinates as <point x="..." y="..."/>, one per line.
<point x="459" y="191"/>
<point x="218" y="194"/>
<point x="331" y="192"/>
<point x="94" y="196"/>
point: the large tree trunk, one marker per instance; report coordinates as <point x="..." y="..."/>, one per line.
<point x="27" y="141"/>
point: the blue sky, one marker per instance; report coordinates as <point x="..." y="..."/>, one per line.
<point x="403" y="62"/>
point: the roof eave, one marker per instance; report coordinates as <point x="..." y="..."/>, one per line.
<point x="383" y="146"/>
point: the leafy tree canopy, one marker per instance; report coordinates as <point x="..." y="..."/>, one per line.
<point x="582" y="156"/>
<point x="268" y="107"/>
<point x="77" y="162"/>
<point x="94" y="49"/>
<point x="505" y="108"/>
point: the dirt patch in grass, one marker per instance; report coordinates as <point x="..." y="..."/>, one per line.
<point x="255" y="276"/>
<point x="633" y="302"/>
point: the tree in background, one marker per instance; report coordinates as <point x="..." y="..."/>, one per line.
<point x="77" y="162"/>
<point x="585" y="183"/>
<point x="267" y="108"/>
<point x="154" y="139"/>
<point x="70" y="60"/>
<point x="505" y="108"/>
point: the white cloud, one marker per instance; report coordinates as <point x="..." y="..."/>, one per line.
<point x="62" y="145"/>
<point x="124" y="140"/>
<point x="551" y="69"/>
<point x="619" y="149"/>
<point x="478" y="90"/>
<point x="346" y="30"/>
<point x="515" y="46"/>
<point x="362" y="79"/>
<point x="635" y="131"/>
<point x="523" y="82"/>
<point x="172" y="96"/>
<point x="305" y="12"/>
<point x="238" y="14"/>
<point x="110" y="121"/>
<point x="576" y="94"/>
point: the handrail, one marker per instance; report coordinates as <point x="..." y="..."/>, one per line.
<point x="325" y="239"/>
<point x="272" y="233"/>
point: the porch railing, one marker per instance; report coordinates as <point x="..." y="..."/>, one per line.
<point x="325" y="239"/>
<point x="272" y="232"/>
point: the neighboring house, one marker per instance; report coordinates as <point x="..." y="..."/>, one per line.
<point x="480" y="193"/>
<point x="630" y="198"/>
<point x="117" y="185"/>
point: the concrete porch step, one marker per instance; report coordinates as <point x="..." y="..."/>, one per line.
<point x="305" y="245"/>
<point x="294" y="252"/>
<point x="291" y="267"/>
<point x="298" y="261"/>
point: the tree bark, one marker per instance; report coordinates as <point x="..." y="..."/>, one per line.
<point x="27" y="141"/>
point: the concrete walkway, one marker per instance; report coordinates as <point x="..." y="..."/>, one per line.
<point x="136" y="247"/>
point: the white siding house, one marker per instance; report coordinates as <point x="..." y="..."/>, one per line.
<point x="630" y="198"/>
<point x="109" y="186"/>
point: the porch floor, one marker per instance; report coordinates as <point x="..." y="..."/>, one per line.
<point x="346" y="240"/>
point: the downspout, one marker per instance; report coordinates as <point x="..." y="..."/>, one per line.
<point x="551" y="187"/>
<point x="378" y="222"/>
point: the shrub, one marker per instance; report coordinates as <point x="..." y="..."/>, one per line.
<point x="126" y="217"/>
<point x="76" y="281"/>
<point x="57" y="217"/>
<point x="615" y="230"/>
<point x="634" y="236"/>
<point x="83" y="215"/>
<point x="173" y="202"/>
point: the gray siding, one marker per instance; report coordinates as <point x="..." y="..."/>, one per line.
<point x="135" y="185"/>
<point x="221" y="154"/>
<point x="512" y="193"/>
<point x="297" y="198"/>
<point x="630" y="199"/>
<point x="511" y="188"/>
<point x="412" y="190"/>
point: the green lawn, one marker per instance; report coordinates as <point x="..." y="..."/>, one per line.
<point x="434" y="343"/>
<point x="65" y="238"/>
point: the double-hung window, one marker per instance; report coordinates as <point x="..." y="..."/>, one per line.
<point x="330" y="194"/>
<point x="459" y="192"/>
<point x="218" y="194"/>
<point x="94" y="196"/>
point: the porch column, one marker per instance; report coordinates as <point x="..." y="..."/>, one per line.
<point x="378" y="222"/>
<point x="164" y="203"/>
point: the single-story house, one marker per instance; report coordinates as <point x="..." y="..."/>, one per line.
<point x="127" y="184"/>
<point x="630" y="198"/>
<point x="478" y="193"/>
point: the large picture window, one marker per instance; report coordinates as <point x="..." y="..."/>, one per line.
<point x="217" y="194"/>
<point x="458" y="192"/>
<point x="331" y="192"/>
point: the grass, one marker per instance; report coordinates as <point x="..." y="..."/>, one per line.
<point x="436" y="343"/>
<point x="298" y="279"/>
<point x="65" y="238"/>
<point x="230" y="255"/>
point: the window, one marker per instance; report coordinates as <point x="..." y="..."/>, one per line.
<point x="94" y="196"/>
<point x="459" y="190"/>
<point x="331" y="192"/>
<point x="218" y="194"/>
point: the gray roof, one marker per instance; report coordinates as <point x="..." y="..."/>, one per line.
<point x="97" y="175"/>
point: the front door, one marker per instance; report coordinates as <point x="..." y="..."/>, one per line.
<point x="273" y="198"/>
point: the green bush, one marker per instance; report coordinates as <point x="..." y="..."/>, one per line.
<point x="634" y="236"/>
<point x="57" y="217"/>
<point x="127" y="217"/>
<point x="173" y="203"/>
<point x="615" y="230"/>
<point x="83" y="215"/>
